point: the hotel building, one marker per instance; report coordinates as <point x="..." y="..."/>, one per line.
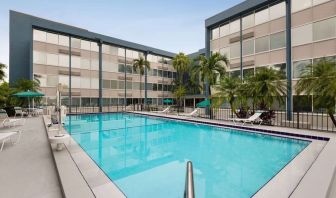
<point x="285" y="35"/>
<point x="96" y="69"/>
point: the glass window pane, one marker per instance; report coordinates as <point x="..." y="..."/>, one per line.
<point x="154" y="72"/>
<point x="94" y="83"/>
<point x="121" y="52"/>
<point x="85" y="83"/>
<point x="75" y="43"/>
<point x="302" y="103"/>
<point x="235" y="74"/>
<point x="281" y="68"/>
<point x="52" y="59"/>
<point x="129" y="69"/>
<point x="64" y="80"/>
<point x="114" y="84"/>
<point x="39" y="35"/>
<point x="235" y="50"/>
<point x="262" y="16"/>
<point x="298" y="5"/>
<point x="39" y="57"/>
<point x="128" y="85"/>
<point x="300" y="68"/>
<point x="324" y="29"/>
<point x="225" y="51"/>
<point x="52" y="38"/>
<point x="160" y="73"/>
<point x="316" y="2"/>
<point x="75" y="82"/>
<point x="106" y="84"/>
<point x="235" y="26"/>
<point x="165" y="74"/>
<point x="52" y="81"/>
<point x="302" y="35"/>
<point x="106" y="49"/>
<point x="248" y="47"/>
<point x="224" y="30"/>
<point x="121" y="85"/>
<point x="63" y="60"/>
<point x="94" y="47"/>
<point x="63" y="40"/>
<point x="75" y="62"/>
<point x="85" y="63"/>
<point x="121" y="68"/>
<point x="154" y="87"/>
<point x="248" y="72"/>
<point x="278" y="10"/>
<point x="262" y="44"/>
<point x="248" y="21"/>
<point x="278" y="40"/>
<point x="85" y="45"/>
<point x="215" y="33"/>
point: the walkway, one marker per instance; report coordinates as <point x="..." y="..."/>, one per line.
<point x="27" y="169"/>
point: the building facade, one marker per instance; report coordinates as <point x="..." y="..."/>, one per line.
<point x="285" y="35"/>
<point x="95" y="69"/>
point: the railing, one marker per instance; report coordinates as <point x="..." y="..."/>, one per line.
<point x="300" y="120"/>
<point x="189" y="191"/>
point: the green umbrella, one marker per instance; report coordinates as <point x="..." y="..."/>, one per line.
<point x="28" y="94"/>
<point x="168" y="101"/>
<point x="204" y="103"/>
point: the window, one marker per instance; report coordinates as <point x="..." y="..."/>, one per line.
<point x="75" y="82"/>
<point x="39" y="57"/>
<point x="85" y="83"/>
<point x="160" y="73"/>
<point x="248" y="47"/>
<point x="235" y="50"/>
<point x="85" y="63"/>
<point x="281" y="68"/>
<point x="235" y="74"/>
<point x="324" y="29"/>
<point x="262" y="44"/>
<point x="52" y="59"/>
<point x="121" y="52"/>
<point x="262" y="16"/>
<point x="278" y="40"/>
<point x="52" y="38"/>
<point x="64" y="80"/>
<point x="316" y="2"/>
<point x="94" y="47"/>
<point x="94" y="83"/>
<point x="225" y="51"/>
<point x="235" y="26"/>
<point x="302" y="35"/>
<point x="329" y="59"/>
<point x="128" y="85"/>
<point x="75" y="62"/>
<point x="300" y="68"/>
<point x="106" y="49"/>
<point x="52" y="81"/>
<point x="85" y="45"/>
<point x="39" y="36"/>
<point x="75" y="43"/>
<point x="278" y="10"/>
<point x="63" y="40"/>
<point x="174" y="75"/>
<point x="248" y="21"/>
<point x="136" y="85"/>
<point x="154" y="87"/>
<point x="215" y="33"/>
<point x="170" y="74"/>
<point x="121" y="85"/>
<point x="129" y="69"/>
<point x="159" y="87"/>
<point x="302" y="103"/>
<point x="154" y="71"/>
<point x="121" y="68"/>
<point x="248" y="72"/>
<point x="63" y="60"/>
<point x="298" y="5"/>
<point x="42" y="79"/>
<point x="149" y="86"/>
<point x="106" y="84"/>
<point x="114" y="84"/>
<point x="165" y="74"/>
<point x="224" y="30"/>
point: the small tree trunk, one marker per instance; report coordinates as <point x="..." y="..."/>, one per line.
<point x="140" y="90"/>
<point x="332" y="117"/>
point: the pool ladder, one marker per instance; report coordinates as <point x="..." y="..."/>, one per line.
<point x="189" y="191"/>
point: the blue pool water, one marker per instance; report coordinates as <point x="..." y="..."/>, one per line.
<point x="146" y="156"/>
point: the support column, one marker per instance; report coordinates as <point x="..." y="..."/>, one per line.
<point x="70" y="74"/>
<point x="194" y="103"/>
<point x="289" y="59"/>
<point x="146" y="81"/>
<point x="241" y="48"/>
<point x="100" y="100"/>
<point x="125" y="92"/>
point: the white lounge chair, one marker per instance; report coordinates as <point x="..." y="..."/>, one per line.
<point x="19" y="111"/>
<point x="6" y="136"/>
<point x="191" y="114"/>
<point x="9" y="122"/>
<point x="129" y="108"/>
<point x="254" y="118"/>
<point x="166" y="110"/>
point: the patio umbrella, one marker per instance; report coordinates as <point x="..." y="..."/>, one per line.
<point x="28" y="94"/>
<point x="168" y="101"/>
<point x="204" y="103"/>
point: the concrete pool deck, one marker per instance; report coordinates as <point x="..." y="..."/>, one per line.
<point x="27" y="169"/>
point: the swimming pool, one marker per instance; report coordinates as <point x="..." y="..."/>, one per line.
<point x="146" y="156"/>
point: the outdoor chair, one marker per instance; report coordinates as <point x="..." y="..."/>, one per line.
<point x="9" y="122"/>
<point x="191" y="114"/>
<point x="19" y="111"/>
<point x="254" y="118"/>
<point x="166" y="110"/>
<point x="7" y="136"/>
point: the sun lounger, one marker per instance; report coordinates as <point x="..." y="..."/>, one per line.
<point x="9" y="122"/>
<point x="254" y="118"/>
<point x="191" y="114"/>
<point x="7" y="136"/>
<point x="166" y="110"/>
<point x="19" y="111"/>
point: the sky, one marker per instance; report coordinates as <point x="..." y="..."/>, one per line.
<point x="174" y="25"/>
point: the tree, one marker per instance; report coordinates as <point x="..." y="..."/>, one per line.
<point x="229" y="89"/>
<point x="6" y="93"/>
<point x="181" y="64"/>
<point x="179" y="93"/>
<point x="139" y="65"/>
<point x="319" y="80"/>
<point x="266" y="86"/>
<point x="210" y="69"/>
<point x="2" y="72"/>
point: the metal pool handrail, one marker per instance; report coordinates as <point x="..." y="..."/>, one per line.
<point x="189" y="191"/>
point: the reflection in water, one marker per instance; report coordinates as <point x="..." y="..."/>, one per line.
<point x="146" y="157"/>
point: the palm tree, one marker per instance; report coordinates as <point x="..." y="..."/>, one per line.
<point x="229" y="89"/>
<point x="266" y="86"/>
<point x="181" y="64"/>
<point x="2" y="71"/>
<point x="139" y="65"/>
<point x="209" y="69"/>
<point x="179" y="93"/>
<point x="319" y="80"/>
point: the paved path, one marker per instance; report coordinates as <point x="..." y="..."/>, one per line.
<point x="27" y="169"/>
